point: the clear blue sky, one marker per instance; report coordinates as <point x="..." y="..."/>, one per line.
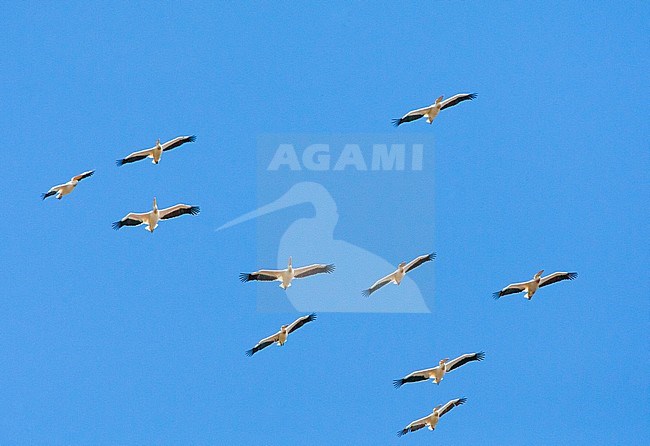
<point x="130" y="338"/>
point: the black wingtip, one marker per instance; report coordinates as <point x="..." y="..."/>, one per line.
<point x="119" y="162"/>
<point x="195" y="210"/>
<point x="117" y="225"/>
<point x="250" y="352"/>
<point x="244" y="277"/>
<point x="432" y="256"/>
<point x="402" y="432"/>
<point x="191" y="138"/>
<point x="461" y="401"/>
<point x="330" y="268"/>
<point x="397" y="383"/>
<point x="496" y="295"/>
<point x="480" y="356"/>
<point x="397" y="122"/>
<point x="572" y="276"/>
<point x="473" y="95"/>
<point x="312" y="317"/>
<point x="366" y="293"/>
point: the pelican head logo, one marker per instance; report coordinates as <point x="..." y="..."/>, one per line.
<point x="312" y="240"/>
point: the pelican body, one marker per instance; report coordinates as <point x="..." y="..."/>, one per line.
<point x="64" y="189"/>
<point x="436" y="374"/>
<point x="286" y="276"/>
<point x="431" y="421"/>
<point x="152" y="217"/>
<point x="280" y="337"/>
<point x="536" y="283"/>
<point x="397" y="276"/>
<point x="155" y="152"/>
<point x="432" y="110"/>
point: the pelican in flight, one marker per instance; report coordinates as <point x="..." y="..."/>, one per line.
<point x="152" y="217"/>
<point x="531" y="286"/>
<point x="66" y="188"/>
<point x="431" y="420"/>
<point x="438" y="372"/>
<point x="397" y="276"/>
<point x="432" y="111"/>
<point x="281" y="336"/>
<point x="156" y="151"/>
<point x="285" y="276"/>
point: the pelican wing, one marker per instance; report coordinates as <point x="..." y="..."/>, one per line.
<point x="420" y="375"/>
<point x="53" y="190"/>
<point x="178" y="210"/>
<point x="414" y="426"/>
<point x="176" y="142"/>
<point x="463" y="359"/>
<point x="511" y="289"/>
<point x="82" y="176"/>
<point x="378" y="284"/>
<point x="306" y="271"/>
<point x="265" y="275"/>
<point x="556" y="277"/>
<point x="131" y="219"/>
<point x="457" y="99"/>
<point x="450" y="405"/>
<point x="411" y="116"/>
<point x="263" y="344"/>
<point x="135" y="156"/>
<point x="300" y="322"/>
<point x="419" y="261"/>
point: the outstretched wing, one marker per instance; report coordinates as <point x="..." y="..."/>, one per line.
<point x="264" y="275"/>
<point x="176" y="142"/>
<point x="178" y="210"/>
<point x="378" y="284"/>
<point x="135" y="156"/>
<point x="131" y="219"/>
<point x="450" y="405"/>
<point x="414" y="426"/>
<point x="300" y="322"/>
<point x="263" y="344"/>
<point x="411" y="116"/>
<point x="556" y="277"/>
<point x="510" y="289"/>
<point x="419" y="261"/>
<point x="306" y="271"/>
<point x="83" y="175"/>
<point x="463" y="359"/>
<point x="457" y="99"/>
<point x="420" y="375"/>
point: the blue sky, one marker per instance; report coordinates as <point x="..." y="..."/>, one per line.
<point x="132" y="338"/>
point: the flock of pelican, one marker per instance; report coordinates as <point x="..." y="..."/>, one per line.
<point x="285" y="276"/>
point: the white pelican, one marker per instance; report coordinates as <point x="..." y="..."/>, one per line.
<point x="431" y="420"/>
<point x="397" y="276"/>
<point x="281" y="336"/>
<point x="152" y="217"/>
<point x="66" y="188"/>
<point x="531" y="286"/>
<point x="438" y="372"/>
<point x="156" y="151"/>
<point x="432" y="111"/>
<point x="285" y="276"/>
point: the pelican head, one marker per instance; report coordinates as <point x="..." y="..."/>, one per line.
<point x="401" y="265"/>
<point x="289" y="265"/>
<point x="283" y="328"/>
<point x="539" y="274"/>
<point x="439" y="100"/>
<point x="443" y="361"/>
<point x="155" y="204"/>
<point x="158" y="142"/>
